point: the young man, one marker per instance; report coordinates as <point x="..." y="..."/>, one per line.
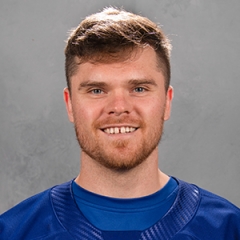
<point x="118" y="97"/>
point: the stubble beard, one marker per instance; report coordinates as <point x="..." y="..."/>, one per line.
<point x="122" y="156"/>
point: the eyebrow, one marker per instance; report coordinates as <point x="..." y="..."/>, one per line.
<point x="142" y="81"/>
<point x="88" y="83"/>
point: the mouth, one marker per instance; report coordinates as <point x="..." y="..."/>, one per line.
<point x="119" y="130"/>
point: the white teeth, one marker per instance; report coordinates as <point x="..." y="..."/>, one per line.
<point x="116" y="130"/>
<point x="122" y="129"/>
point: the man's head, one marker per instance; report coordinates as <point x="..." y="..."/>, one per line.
<point x="112" y="35"/>
<point x="118" y="95"/>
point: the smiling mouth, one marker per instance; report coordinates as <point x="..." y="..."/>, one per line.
<point x="117" y="130"/>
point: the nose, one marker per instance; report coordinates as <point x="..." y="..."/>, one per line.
<point x="119" y="102"/>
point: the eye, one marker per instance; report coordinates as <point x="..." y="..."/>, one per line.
<point x="96" y="91"/>
<point x="139" y="89"/>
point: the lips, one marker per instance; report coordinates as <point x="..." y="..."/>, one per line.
<point x="121" y="130"/>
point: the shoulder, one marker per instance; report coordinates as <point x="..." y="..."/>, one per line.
<point x="210" y="200"/>
<point x="34" y="217"/>
<point x="215" y="217"/>
<point x="218" y="208"/>
<point x="217" y="204"/>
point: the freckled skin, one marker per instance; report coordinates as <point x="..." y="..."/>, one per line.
<point x="129" y="93"/>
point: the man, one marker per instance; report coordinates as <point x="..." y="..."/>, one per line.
<point x="118" y="97"/>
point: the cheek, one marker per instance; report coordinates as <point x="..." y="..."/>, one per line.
<point x="85" y="114"/>
<point x="153" y="108"/>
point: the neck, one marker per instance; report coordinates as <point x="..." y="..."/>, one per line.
<point x="140" y="181"/>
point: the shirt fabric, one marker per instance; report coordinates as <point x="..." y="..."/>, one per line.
<point x="115" y="214"/>
<point x="196" y="214"/>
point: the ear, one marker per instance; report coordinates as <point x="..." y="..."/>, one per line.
<point x="169" y="98"/>
<point x="68" y="102"/>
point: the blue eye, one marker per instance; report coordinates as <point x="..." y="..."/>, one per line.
<point x="139" y="89"/>
<point x="97" y="91"/>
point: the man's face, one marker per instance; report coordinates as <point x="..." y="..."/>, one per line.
<point x="118" y="109"/>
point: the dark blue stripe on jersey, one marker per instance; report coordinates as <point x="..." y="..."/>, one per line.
<point x="78" y="226"/>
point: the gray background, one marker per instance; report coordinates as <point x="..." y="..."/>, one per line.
<point x="201" y="140"/>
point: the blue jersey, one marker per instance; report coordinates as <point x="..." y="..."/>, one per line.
<point x="117" y="214"/>
<point x="53" y="214"/>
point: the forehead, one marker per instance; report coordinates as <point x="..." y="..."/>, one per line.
<point x="140" y="61"/>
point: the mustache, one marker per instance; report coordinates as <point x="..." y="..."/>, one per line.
<point x="119" y="120"/>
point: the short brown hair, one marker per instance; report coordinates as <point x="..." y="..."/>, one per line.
<point x="109" y="35"/>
